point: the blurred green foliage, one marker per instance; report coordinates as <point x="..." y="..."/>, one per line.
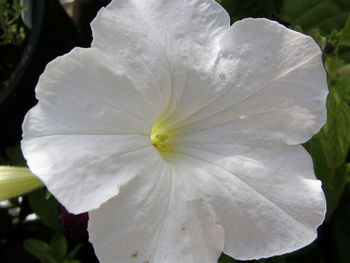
<point x="46" y="207"/>
<point x="12" y="31"/>
<point x="325" y="15"/>
<point x="54" y="252"/>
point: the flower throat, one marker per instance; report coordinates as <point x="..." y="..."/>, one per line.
<point x="159" y="138"/>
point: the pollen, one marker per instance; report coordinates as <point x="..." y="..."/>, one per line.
<point x="159" y="141"/>
<point x="160" y="138"/>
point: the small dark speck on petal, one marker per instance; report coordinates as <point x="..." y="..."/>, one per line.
<point x="222" y="76"/>
<point x="135" y="254"/>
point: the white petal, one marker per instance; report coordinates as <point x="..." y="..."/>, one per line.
<point x="90" y="125"/>
<point x="151" y="28"/>
<point x="84" y="92"/>
<point x="84" y="171"/>
<point x="265" y="195"/>
<point x="277" y="85"/>
<point x="180" y="53"/>
<point x="151" y="220"/>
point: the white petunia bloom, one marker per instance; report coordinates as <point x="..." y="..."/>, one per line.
<point x="180" y="134"/>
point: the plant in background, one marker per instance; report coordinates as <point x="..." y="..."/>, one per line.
<point x="12" y="30"/>
<point x="54" y="252"/>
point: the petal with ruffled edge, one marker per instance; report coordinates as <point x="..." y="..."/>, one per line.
<point x="85" y="92"/>
<point x="277" y="85"/>
<point x="264" y="194"/>
<point x="155" y="222"/>
<point x="89" y="127"/>
<point x="186" y="49"/>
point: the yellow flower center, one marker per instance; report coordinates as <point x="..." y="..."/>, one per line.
<point x="159" y="141"/>
<point x="160" y="138"/>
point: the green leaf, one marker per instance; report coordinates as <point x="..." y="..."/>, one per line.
<point x="317" y="36"/>
<point x="344" y="52"/>
<point x="333" y="180"/>
<point x="46" y="209"/>
<point x="345" y="34"/>
<point x="39" y="249"/>
<point x="74" y="252"/>
<point x="327" y="15"/>
<point x="334" y="189"/>
<point x="348" y="172"/>
<point x="335" y="135"/>
<point x="58" y="245"/>
<point x="333" y="67"/>
<point x="322" y="170"/>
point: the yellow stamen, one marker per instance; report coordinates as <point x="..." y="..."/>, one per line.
<point x="159" y="137"/>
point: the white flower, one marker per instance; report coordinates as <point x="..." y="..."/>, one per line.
<point x="181" y="135"/>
